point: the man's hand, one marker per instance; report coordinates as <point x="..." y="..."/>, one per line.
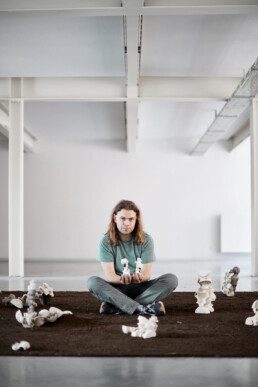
<point x="125" y="279"/>
<point x="136" y="278"/>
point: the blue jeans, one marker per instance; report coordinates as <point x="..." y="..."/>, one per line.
<point x="128" y="297"/>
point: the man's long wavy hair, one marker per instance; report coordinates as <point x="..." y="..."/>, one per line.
<point x="138" y="233"/>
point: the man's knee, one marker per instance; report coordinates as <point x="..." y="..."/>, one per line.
<point x="171" y="280"/>
<point x="93" y="283"/>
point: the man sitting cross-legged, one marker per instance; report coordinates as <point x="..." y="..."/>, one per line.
<point x="132" y="293"/>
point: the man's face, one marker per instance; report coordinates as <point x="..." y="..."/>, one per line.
<point x="125" y="221"/>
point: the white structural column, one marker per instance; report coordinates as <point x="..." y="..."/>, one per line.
<point x="29" y="140"/>
<point x="254" y="183"/>
<point x="132" y="31"/>
<point x="16" y="178"/>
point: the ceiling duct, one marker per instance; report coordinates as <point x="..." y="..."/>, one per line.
<point x="240" y="99"/>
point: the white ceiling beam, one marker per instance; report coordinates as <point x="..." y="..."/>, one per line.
<point x="115" y="88"/>
<point x="132" y="60"/>
<point x="199" y="7"/>
<point x="29" y="140"/>
<point x="75" y="88"/>
<point x="179" y="88"/>
<point x="114" y="8"/>
<point x="240" y="136"/>
<point x="64" y="7"/>
<point x="69" y="88"/>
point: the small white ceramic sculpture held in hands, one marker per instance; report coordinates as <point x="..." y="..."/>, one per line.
<point x="254" y="319"/>
<point x="204" y="295"/>
<point x="146" y="328"/>
<point x="126" y="270"/>
<point x="21" y="345"/>
<point x="230" y="281"/>
<point x="138" y="266"/>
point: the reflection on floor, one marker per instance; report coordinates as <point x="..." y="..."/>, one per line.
<point x="151" y="372"/>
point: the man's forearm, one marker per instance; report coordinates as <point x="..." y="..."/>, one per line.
<point x="145" y="278"/>
<point x="116" y="279"/>
<point x="113" y="279"/>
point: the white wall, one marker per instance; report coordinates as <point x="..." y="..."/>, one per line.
<point x="71" y="188"/>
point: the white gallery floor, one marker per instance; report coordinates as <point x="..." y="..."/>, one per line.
<point x="151" y="372"/>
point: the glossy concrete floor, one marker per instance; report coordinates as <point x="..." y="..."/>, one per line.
<point x="67" y="371"/>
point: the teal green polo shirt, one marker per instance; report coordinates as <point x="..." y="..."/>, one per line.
<point x="128" y="250"/>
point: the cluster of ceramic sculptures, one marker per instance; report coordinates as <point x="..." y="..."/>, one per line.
<point x="126" y="270"/>
<point x="33" y="319"/>
<point x="205" y="295"/>
<point x="146" y="328"/>
<point x="44" y="295"/>
<point x="230" y="281"/>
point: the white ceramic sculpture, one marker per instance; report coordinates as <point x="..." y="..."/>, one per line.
<point x="17" y="302"/>
<point x="45" y="293"/>
<point x="126" y="270"/>
<point x="254" y="319"/>
<point x="12" y="300"/>
<point x="205" y="295"/>
<point x="7" y="300"/>
<point x="46" y="289"/>
<point x="21" y="345"/>
<point x="31" y="320"/>
<point x="138" y="266"/>
<point x="53" y="314"/>
<point x="227" y="287"/>
<point x="145" y="329"/>
<point x="31" y="295"/>
<point x="230" y="281"/>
